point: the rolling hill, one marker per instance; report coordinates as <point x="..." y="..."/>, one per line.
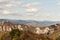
<point x="31" y="22"/>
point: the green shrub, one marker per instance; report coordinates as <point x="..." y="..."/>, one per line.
<point x="15" y="34"/>
<point x="58" y="38"/>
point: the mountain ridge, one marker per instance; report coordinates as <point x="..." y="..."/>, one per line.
<point x="31" y="22"/>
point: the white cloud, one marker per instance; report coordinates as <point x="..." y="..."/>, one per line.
<point x="32" y="10"/>
<point x="10" y="4"/>
<point x="9" y="12"/>
<point x="58" y="3"/>
<point x="29" y="7"/>
<point x="13" y="4"/>
<point x="5" y="6"/>
<point x="31" y="4"/>
<point x="3" y="0"/>
<point x="6" y="12"/>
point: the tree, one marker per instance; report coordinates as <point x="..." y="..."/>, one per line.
<point x="53" y="26"/>
<point x="15" y="34"/>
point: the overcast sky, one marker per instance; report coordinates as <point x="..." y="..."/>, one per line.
<point x="30" y="10"/>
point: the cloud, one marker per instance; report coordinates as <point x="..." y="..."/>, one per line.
<point x="13" y="4"/>
<point x="4" y="6"/>
<point x="5" y="12"/>
<point x="31" y="4"/>
<point x="32" y="10"/>
<point x="10" y="4"/>
<point x="3" y="0"/>
<point x="58" y="3"/>
<point x="30" y="7"/>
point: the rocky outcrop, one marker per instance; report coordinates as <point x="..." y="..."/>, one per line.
<point x="7" y="26"/>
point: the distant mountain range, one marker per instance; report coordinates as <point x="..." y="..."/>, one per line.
<point x="31" y="22"/>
